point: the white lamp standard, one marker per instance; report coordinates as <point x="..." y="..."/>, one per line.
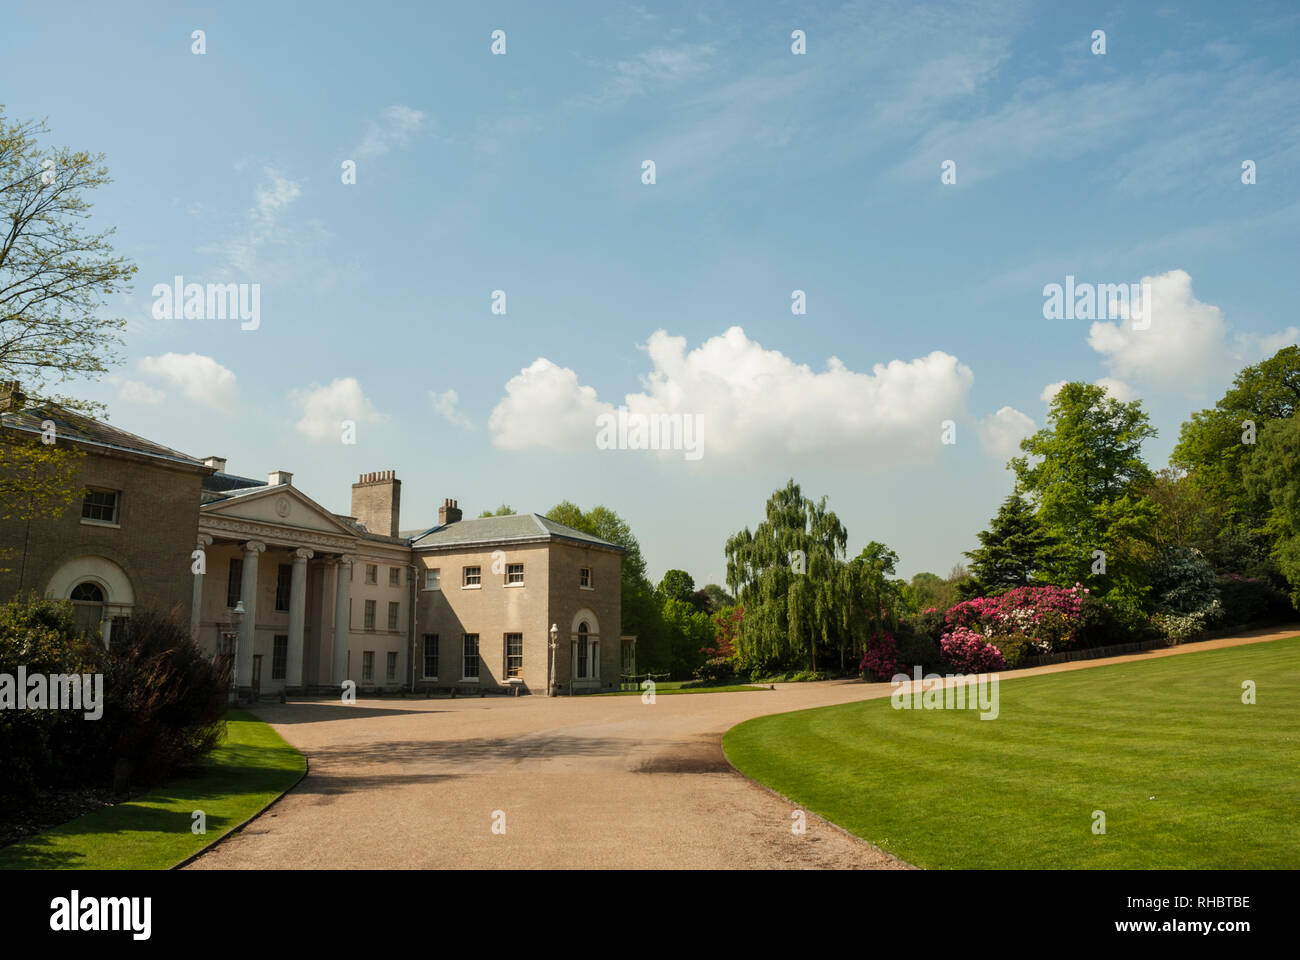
<point x="554" y="645"/>
<point x="236" y="620"/>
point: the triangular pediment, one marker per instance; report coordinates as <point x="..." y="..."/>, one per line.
<point x="282" y="505"/>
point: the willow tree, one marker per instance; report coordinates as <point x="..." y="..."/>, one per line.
<point x="789" y="575"/>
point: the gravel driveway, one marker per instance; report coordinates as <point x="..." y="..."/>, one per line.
<point x="587" y="782"/>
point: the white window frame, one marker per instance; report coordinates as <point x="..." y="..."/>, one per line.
<point x="117" y="508"/>
<point x="588" y="585"/>
<point x="465" y="575"/>
<point x="514" y="583"/>
<point x="505" y="644"/>
<point x="478" y="657"/>
<point x="433" y="578"/>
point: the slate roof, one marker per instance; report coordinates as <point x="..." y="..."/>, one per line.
<point x="516" y="527"/>
<point x="223" y="486"/>
<point x="82" y="429"/>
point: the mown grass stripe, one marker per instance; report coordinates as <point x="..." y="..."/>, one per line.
<point x="942" y="788"/>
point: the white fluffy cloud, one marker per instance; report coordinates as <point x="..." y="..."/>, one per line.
<point x="325" y="408"/>
<point x="1116" y="388"/>
<point x="447" y="406"/>
<point x="544" y="406"/>
<point x="1000" y="434"/>
<point x="133" y="391"/>
<point x="755" y="403"/>
<point x="200" y="378"/>
<point x="1184" y="342"/>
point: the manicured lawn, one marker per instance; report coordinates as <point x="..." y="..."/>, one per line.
<point x="669" y="687"/>
<point x="1188" y="776"/>
<point x="153" y="832"/>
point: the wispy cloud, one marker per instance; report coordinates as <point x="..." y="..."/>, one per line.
<point x="651" y="71"/>
<point x="447" y="406"/>
<point x="394" y="128"/>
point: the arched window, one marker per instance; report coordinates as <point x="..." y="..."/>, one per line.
<point x="582" y="651"/>
<point x="87" y="607"/>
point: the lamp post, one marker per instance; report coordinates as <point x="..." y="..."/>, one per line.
<point x="554" y="645"/>
<point x="236" y="620"/>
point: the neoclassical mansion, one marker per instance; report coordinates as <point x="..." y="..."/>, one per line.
<point x="302" y="598"/>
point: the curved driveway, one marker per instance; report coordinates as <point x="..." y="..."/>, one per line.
<point x="587" y="782"/>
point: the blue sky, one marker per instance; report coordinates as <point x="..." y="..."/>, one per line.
<point x="775" y="172"/>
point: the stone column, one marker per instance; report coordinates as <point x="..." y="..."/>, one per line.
<point x="342" y="613"/>
<point x="196" y="598"/>
<point x="248" y="627"/>
<point x="297" y="618"/>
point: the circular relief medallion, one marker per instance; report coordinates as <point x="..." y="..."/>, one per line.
<point x="282" y="507"/>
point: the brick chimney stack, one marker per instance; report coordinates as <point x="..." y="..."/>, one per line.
<point x="448" y="512"/>
<point x="377" y="501"/>
<point x="11" y="395"/>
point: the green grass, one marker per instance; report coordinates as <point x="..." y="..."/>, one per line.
<point x="251" y="768"/>
<point x="1186" y="774"/>
<point x="670" y="687"/>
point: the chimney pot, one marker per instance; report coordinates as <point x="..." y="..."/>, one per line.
<point x="448" y="512"/>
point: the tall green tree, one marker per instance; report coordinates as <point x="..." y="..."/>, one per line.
<point x="55" y="276"/>
<point x="1273" y="472"/>
<point x="677" y="584"/>
<point x="875" y="600"/>
<point x="1085" y="473"/>
<point x="1013" y="547"/>
<point x="1216" y="446"/>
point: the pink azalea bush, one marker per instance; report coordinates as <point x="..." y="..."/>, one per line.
<point x="1046" y="616"/>
<point x="966" y="651"/>
<point x="881" y="656"/>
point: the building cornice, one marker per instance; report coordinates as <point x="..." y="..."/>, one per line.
<point x="242" y="529"/>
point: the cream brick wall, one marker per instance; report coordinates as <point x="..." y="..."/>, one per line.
<point x="550" y="594"/>
<point x="491" y="610"/>
<point x="380" y="640"/>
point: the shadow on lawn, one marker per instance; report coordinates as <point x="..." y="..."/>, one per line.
<point x="167" y="809"/>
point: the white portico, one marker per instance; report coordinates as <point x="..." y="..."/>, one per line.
<point x="309" y="584"/>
